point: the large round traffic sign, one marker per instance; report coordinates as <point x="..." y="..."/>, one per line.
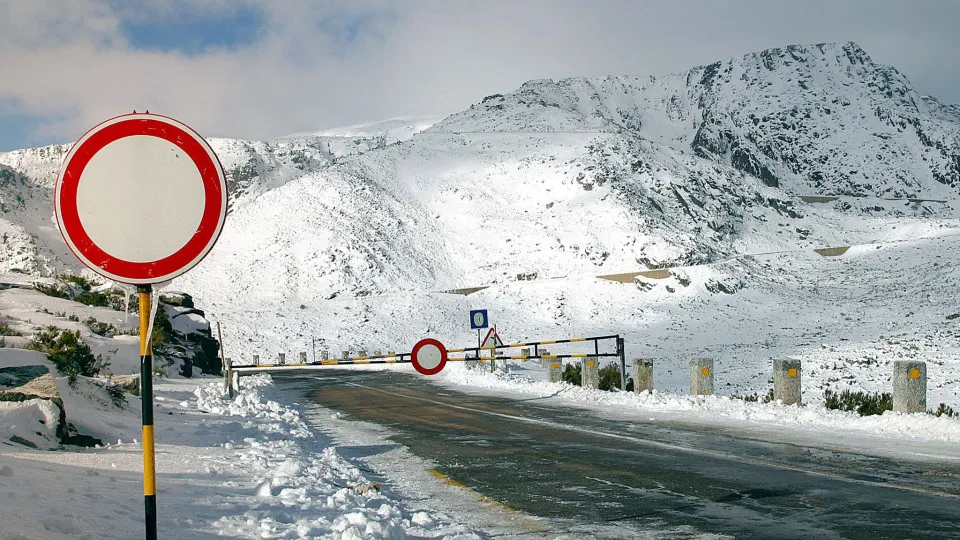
<point x="141" y="198"/>
<point x="429" y="356"/>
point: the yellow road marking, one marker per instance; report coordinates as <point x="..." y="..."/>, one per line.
<point x="574" y="340"/>
<point x="578" y="355"/>
<point x="481" y="497"/>
<point x="547" y="342"/>
<point x="456" y="350"/>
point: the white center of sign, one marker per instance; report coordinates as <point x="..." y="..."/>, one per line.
<point x="429" y="356"/>
<point x="478" y="319"/>
<point x="157" y="211"/>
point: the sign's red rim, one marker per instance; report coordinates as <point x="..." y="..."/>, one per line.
<point x="215" y="194"/>
<point x="416" y="349"/>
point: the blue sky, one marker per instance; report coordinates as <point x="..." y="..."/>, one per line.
<point x="193" y="30"/>
<point x="258" y="69"/>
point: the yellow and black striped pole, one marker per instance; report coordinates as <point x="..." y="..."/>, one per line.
<point x="146" y="401"/>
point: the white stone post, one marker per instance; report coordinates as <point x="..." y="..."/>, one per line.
<point x="909" y="386"/>
<point x="786" y="380"/>
<point x="590" y="372"/>
<point x="643" y="375"/>
<point x="701" y="376"/>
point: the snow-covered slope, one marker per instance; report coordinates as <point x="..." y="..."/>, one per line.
<point x="32" y="244"/>
<point x="821" y="119"/>
<point x="538" y="191"/>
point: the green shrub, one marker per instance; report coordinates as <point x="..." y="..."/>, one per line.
<point x="52" y="290"/>
<point x="97" y="299"/>
<point x="69" y="354"/>
<point x="757" y="398"/>
<point x="81" y="282"/>
<point x="5" y="329"/>
<point x="571" y="373"/>
<point x="100" y="328"/>
<point x="865" y="404"/>
<point x="945" y="410"/>
<point x="162" y="328"/>
<point x="609" y="377"/>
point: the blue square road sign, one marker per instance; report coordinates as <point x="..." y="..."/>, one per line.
<point x="478" y="319"/>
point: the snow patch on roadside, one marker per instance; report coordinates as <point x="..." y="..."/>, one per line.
<point x="301" y="489"/>
<point x="919" y="426"/>
<point x="33" y="420"/>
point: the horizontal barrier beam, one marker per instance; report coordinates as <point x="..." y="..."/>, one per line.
<point x="390" y="358"/>
<point x="532" y="357"/>
<point x="404" y="358"/>
<point x="352" y="362"/>
<point x="533" y="344"/>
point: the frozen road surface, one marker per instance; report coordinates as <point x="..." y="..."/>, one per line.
<point x="569" y="466"/>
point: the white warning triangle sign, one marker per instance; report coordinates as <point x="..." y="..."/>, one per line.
<point x="492" y="339"/>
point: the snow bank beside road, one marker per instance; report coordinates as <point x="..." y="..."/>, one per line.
<point x="920" y="427"/>
<point x="303" y="489"/>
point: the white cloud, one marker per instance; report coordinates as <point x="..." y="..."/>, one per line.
<point x="319" y="64"/>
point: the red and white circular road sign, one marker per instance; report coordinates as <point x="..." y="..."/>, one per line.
<point x="429" y="356"/>
<point x="141" y="198"/>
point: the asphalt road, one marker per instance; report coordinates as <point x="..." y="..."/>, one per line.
<point x="569" y="465"/>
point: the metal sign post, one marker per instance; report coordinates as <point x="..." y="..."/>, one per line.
<point x="101" y="202"/>
<point x="479" y="320"/>
<point x="146" y="412"/>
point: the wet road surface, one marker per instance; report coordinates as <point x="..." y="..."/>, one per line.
<point x="564" y="463"/>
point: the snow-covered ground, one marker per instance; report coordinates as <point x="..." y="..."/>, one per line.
<point x="247" y="467"/>
<point x="917" y="436"/>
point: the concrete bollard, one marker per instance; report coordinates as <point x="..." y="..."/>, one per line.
<point x="346" y="355"/>
<point x="525" y="353"/>
<point x="786" y="380"/>
<point x="701" y="376"/>
<point x="555" y="366"/>
<point x="590" y="372"/>
<point x="643" y="375"/>
<point x="283" y="359"/>
<point x="227" y="377"/>
<point x="545" y="363"/>
<point x="909" y="386"/>
<point x="303" y="358"/>
<point x="324" y="354"/>
<point x="472" y="363"/>
<point x="256" y="359"/>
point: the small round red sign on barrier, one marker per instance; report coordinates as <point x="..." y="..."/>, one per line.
<point x="429" y="356"/>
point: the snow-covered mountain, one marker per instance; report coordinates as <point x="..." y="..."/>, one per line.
<point x="536" y="192"/>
